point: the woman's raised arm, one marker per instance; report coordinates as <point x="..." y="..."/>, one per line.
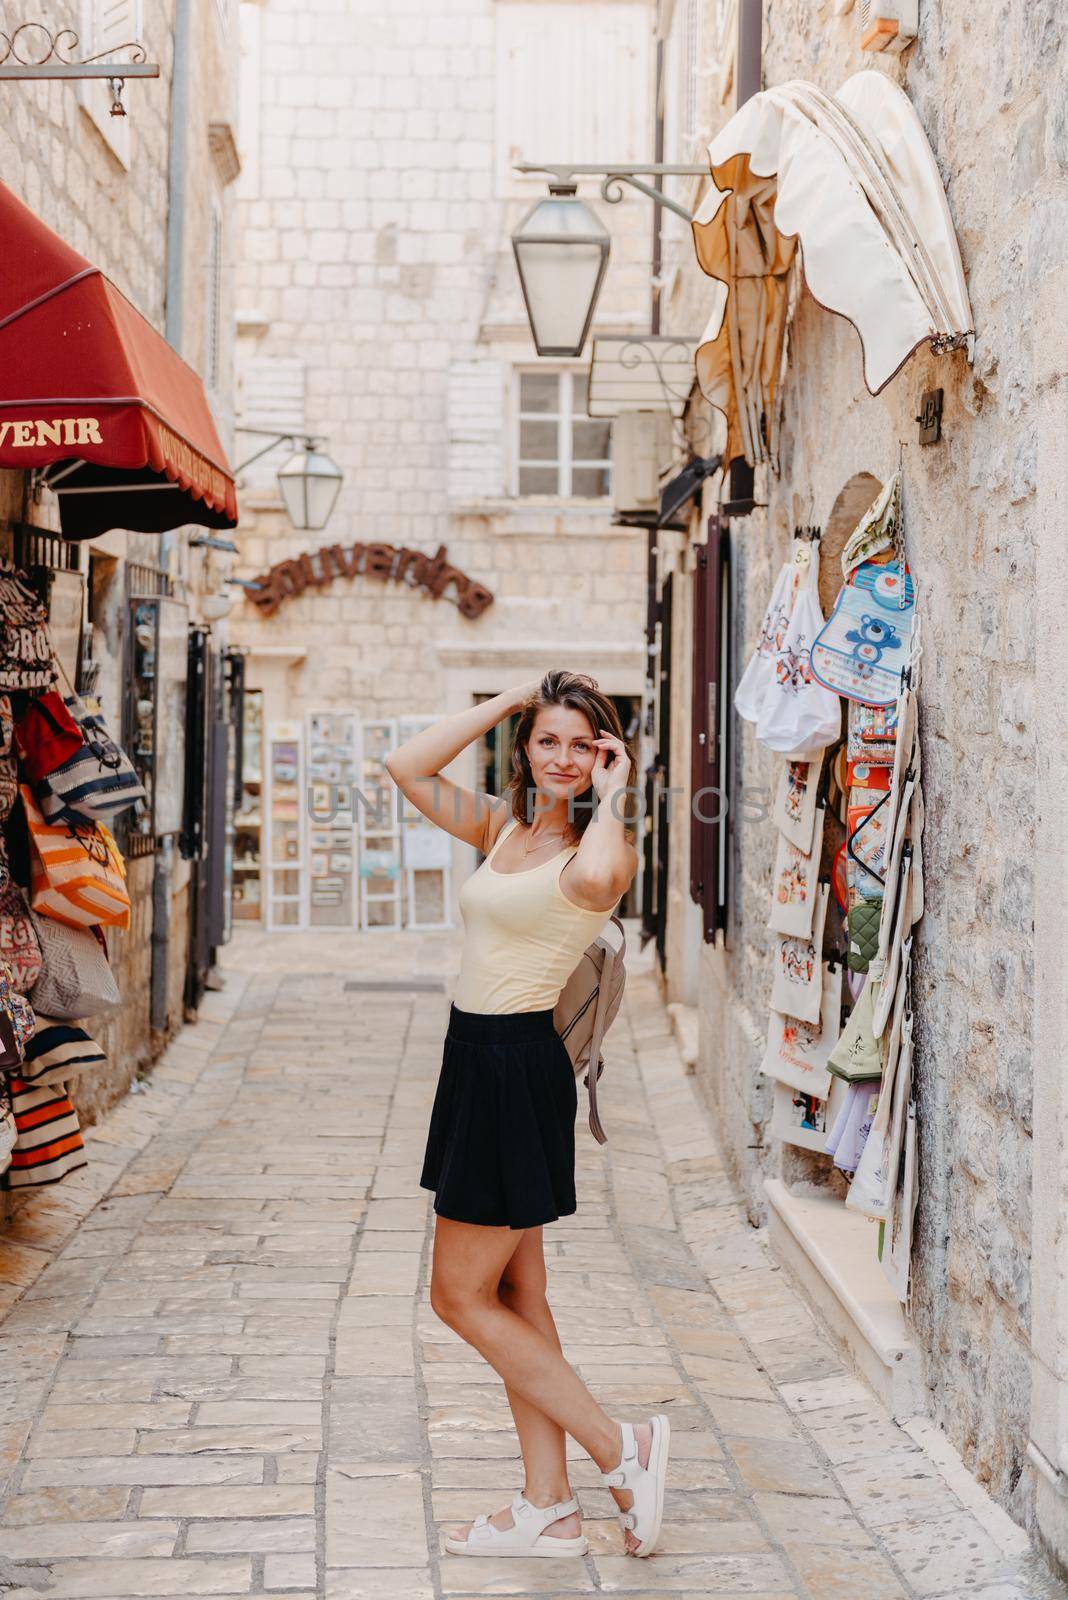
<point x="415" y="767"/>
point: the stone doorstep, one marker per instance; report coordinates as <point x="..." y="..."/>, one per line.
<point x="684" y="1022"/>
<point x="830" y="1254"/>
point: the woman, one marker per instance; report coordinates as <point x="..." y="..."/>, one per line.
<point x="500" y="1152"/>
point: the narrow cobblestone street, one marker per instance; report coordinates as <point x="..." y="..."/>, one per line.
<point x="221" y="1374"/>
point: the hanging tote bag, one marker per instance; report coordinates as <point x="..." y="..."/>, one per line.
<point x="76" y="872"/>
<point x="797" y="988"/>
<point x="794" y="884"/>
<point x="76" y="979"/>
<point x="49" y="1143"/>
<point x="97" y="781"/>
<point x="795" y="802"/>
<point x="20" y="947"/>
<point x="798" y="716"/>
<point x="749" y="695"/>
<point x="26" y="660"/>
<point x="47" y="735"/>
<point x="797" y="1052"/>
<point x="58" y="1051"/>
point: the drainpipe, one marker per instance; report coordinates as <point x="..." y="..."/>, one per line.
<point x="176" y="183"/>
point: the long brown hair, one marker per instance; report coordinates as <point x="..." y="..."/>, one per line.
<point x="577" y="692"/>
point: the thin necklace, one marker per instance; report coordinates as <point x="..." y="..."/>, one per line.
<point x="527" y="852"/>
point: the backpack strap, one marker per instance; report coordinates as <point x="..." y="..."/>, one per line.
<point x="594" y="1064"/>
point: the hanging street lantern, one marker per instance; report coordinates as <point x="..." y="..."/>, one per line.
<point x="309" y="483"/>
<point x="561" y="253"/>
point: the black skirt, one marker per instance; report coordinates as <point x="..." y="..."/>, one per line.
<point x="501" y="1145"/>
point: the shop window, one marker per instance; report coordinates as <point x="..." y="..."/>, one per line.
<point x="560" y="451"/>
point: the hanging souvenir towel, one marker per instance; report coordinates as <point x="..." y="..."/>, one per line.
<point x="799" y="717"/>
<point x="20" y="947"/>
<point x="886" y="968"/>
<point x="797" y="1052"/>
<point x="49" y="1142"/>
<point x="749" y="695"/>
<point x="8" y="1134"/>
<point x="797" y="990"/>
<point x="864" y="647"/>
<point x="794" y="884"/>
<point x="852" y="1126"/>
<point x="794" y="812"/>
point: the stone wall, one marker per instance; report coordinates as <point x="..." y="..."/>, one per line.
<point x="991" y="114"/>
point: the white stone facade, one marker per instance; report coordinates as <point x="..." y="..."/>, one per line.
<point x="378" y="306"/>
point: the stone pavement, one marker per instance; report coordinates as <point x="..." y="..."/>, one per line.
<point x="220" y="1374"/>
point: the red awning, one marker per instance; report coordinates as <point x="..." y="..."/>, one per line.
<point x="87" y="382"/>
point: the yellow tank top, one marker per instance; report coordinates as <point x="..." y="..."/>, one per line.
<point x="523" y="935"/>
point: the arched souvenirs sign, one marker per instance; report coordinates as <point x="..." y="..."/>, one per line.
<point x="319" y="568"/>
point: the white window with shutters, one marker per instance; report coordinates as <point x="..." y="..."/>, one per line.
<point x="106" y="25"/>
<point x="574" y="83"/>
<point x="559" y="450"/>
<point x="271" y="397"/>
<point x="476" y="424"/>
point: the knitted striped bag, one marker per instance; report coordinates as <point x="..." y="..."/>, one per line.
<point x="76" y="872"/>
<point x="49" y="1142"/>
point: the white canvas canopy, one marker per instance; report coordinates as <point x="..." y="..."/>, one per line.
<point x="848" y="183"/>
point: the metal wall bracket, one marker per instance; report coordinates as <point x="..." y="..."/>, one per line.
<point x="614" y="176"/>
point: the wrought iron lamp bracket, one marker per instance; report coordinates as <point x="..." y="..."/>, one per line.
<point x="564" y="180"/>
<point x="25" y="54"/>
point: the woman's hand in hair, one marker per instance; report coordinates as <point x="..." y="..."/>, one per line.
<point x="611" y="770"/>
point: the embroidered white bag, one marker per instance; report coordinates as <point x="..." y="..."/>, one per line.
<point x="794" y="884"/>
<point x="797" y="990"/>
<point x="798" y="716"/>
<point x="749" y="695"/>
<point x="797" y="1052"/>
<point x="794" y="812"/>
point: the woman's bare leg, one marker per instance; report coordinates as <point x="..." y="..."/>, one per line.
<point x="469" y="1263"/>
<point x="542" y="1441"/>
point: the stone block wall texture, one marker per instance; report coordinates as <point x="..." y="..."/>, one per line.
<point x="55" y="158"/>
<point x="990" y="90"/>
<point x="375" y="251"/>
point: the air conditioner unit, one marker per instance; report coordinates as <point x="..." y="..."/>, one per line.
<point x="641" y="448"/>
<point x="888" y="24"/>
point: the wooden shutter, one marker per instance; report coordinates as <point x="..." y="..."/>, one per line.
<point x="710" y="748"/>
<point x="476" y="431"/>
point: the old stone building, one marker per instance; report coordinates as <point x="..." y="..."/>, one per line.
<point x="379" y="309"/>
<point x="147" y="198"/>
<point x="983" y="1331"/>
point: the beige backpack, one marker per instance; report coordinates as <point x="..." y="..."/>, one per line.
<point x="588" y="1002"/>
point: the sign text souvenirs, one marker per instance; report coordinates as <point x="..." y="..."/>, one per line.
<point x="317" y="569"/>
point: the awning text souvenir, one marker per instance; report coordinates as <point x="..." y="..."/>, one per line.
<point x="846" y="184"/>
<point x="90" y="389"/>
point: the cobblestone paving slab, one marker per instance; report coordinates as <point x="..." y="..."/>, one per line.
<point x="220" y="1374"/>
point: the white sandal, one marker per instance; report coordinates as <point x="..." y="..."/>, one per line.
<point x="646" y="1484"/>
<point x="526" y="1536"/>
